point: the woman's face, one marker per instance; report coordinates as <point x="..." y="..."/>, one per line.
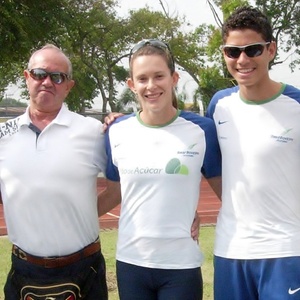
<point x="153" y="83"/>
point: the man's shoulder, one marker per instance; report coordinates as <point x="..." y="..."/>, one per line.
<point x="292" y="92"/>
<point x="225" y="93"/>
<point x="83" y="119"/>
<point x="220" y="96"/>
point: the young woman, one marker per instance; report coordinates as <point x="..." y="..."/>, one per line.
<point x="157" y="158"/>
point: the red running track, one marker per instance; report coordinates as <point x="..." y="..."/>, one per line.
<point x="208" y="209"/>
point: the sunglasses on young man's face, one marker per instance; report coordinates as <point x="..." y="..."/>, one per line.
<point x="155" y="43"/>
<point x="252" y="50"/>
<point x="41" y="74"/>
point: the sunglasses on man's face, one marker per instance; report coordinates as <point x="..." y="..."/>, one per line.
<point x="252" y="50"/>
<point x="41" y="74"/>
<point x="155" y="43"/>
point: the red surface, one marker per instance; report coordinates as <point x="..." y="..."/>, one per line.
<point x="208" y="209"/>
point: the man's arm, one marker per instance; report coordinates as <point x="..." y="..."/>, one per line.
<point x="216" y="185"/>
<point x="109" y="198"/>
<point x="110" y="119"/>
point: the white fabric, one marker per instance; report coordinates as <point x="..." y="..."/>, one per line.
<point x="260" y="145"/>
<point x="160" y="170"/>
<point x="48" y="184"/>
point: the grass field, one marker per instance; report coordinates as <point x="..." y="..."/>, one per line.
<point x="108" y="244"/>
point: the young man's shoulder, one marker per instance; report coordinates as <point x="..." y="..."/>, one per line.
<point x="219" y="95"/>
<point x="292" y="92"/>
<point x="225" y="93"/>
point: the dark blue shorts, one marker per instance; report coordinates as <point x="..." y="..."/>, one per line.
<point x="136" y="283"/>
<point x="257" y="279"/>
<point x="96" y="286"/>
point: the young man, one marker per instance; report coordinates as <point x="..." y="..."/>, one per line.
<point x="257" y="252"/>
<point x="49" y="162"/>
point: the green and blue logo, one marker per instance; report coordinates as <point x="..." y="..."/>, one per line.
<point x="174" y="166"/>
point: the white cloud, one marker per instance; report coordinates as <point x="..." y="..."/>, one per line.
<point x="198" y="12"/>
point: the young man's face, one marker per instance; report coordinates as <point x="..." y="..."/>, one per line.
<point x="246" y="70"/>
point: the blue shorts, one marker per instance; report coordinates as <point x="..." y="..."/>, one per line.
<point x="257" y="279"/>
<point x="136" y="283"/>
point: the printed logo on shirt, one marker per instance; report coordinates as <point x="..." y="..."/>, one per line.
<point x="174" y="166"/>
<point x="222" y="122"/>
<point x="293" y="291"/>
<point x="140" y="171"/>
<point x="283" y="138"/>
<point x="189" y="152"/>
<point x="9" y="128"/>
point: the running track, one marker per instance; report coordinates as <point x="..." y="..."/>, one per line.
<point x="208" y="209"/>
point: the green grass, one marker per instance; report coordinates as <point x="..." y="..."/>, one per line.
<point x="108" y="244"/>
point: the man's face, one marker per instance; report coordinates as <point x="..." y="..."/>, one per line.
<point x="247" y="70"/>
<point x="46" y="95"/>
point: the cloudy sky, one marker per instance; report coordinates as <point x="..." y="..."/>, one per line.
<point x="198" y="12"/>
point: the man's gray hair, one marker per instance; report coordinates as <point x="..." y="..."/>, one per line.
<point x="51" y="46"/>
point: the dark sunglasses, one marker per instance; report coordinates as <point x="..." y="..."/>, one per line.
<point x="157" y="44"/>
<point x="252" y="50"/>
<point x="41" y="74"/>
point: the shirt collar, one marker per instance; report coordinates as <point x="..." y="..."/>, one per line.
<point x="63" y="117"/>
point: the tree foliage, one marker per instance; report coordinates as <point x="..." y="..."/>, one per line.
<point x="23" y="24"/>
<point x="284" y="16"/>
<point x="98" y="42"/>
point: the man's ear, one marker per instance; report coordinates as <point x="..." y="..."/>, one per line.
<point x="272" y="49"/>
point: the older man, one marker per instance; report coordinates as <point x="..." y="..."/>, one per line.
<point x="49" y="161"/>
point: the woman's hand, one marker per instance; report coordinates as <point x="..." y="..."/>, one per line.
<point x="195" y="227"/>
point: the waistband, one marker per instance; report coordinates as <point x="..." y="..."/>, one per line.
<point x="59" y="261"/>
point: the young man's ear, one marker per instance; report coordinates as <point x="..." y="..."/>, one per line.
<point x="272" y="49"/>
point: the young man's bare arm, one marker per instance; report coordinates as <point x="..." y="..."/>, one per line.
<point x="109" y="198"/>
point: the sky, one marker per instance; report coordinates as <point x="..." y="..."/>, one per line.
<point x="196" y="12"/>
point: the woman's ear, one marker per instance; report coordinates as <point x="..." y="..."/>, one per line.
<point x="130" y="84"/>
<point x="175" y="77"/>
